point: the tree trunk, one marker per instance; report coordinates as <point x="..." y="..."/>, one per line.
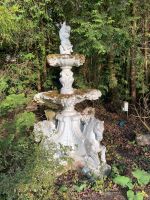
<point x="146" y="48"/>
<point x="39" y="84"/>
<point x="39" y="87"/>
<point x="112" y="80"/>
<point x="133" y="57"/>
<point x="45" y="71"/>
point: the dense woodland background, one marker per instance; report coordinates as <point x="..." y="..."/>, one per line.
<point x="114" y="35"/>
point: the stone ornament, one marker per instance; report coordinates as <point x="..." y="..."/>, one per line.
<point x="93" y="133"/>
<point x="64" y="34"/>
<point x="66" y="62"/>
<point x="43" y="131"/>
<point x="69" y="100"/>
<point x="82" y="133"/>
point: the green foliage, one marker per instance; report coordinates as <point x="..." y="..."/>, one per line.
<point x="99" y="29"/>
<point x="98" y="186"/>
<point x="18" y="78"/>
<point x="142" y="176"/>
<point x="27" y="172"/>
<point x="117" y="169"/>
<point x="3" y="86"/>
<point x="80" y="82"/>
<point x="9" y="21"/>
<point x="24" y="121"/>
<point x="35" y="180"/>
<point x="81" y="187"/>
<point x="12" y="102"/>
<point x="132" y="196"/>
<point x="63" y="188"/>
<point x="124" y="181"/>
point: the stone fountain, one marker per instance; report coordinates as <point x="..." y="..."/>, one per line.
<point x="81" y="132"/>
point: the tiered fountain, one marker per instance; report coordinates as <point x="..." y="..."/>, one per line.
<point x="80" y="131"/>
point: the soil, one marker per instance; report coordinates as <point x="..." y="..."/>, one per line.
<point x="122" y="152"/>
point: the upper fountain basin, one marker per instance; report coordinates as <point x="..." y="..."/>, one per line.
<point x="64" y="60"/>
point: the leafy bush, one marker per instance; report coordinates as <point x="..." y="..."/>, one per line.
<point x="35" y="180"/>
<point x="14" y="143"/>
<point x="3" y="85"/>
<point x="27" y="172"/>
<point x="12" y="102"/>
<point x="24" y="121"/>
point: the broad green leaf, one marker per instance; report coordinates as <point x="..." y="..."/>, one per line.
<point x="130" y="195"/>
<point x="139" y="196"/>
<point x="124" y="181"/>
<point x="142" y="176"/>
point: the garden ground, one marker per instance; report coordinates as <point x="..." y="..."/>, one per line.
<point x="123" y="154"/>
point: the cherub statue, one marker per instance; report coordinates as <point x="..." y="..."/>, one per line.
<point x="43" y="132"/>
<point x="93" y="132"/>
<point x="64" y="34"/>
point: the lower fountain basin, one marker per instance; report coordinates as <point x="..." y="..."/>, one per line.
<point x="67" y="100"/>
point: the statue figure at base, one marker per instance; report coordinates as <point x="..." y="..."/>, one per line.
<point x="93" y="133"/>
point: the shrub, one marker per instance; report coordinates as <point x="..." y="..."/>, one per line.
<point x="24" y="121"/>
<point x="12" y="102"/>
<point x="35" y="180"/>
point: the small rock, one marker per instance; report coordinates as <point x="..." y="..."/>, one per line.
<point x="143" y="140"/>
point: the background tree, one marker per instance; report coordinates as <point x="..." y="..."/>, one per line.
<point x="113" y="36"/>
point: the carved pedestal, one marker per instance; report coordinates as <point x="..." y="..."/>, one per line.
<point x="66" y="80"/>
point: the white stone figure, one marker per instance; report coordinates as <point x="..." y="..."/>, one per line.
<point x="82" y="133"/>
<point x="43" y="132"/>
<point x="64" y="34"/>
<point x="93" y="132"/>
<point x="98" y="130"/>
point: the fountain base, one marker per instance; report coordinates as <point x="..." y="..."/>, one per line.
<point x="80" y="132"/>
